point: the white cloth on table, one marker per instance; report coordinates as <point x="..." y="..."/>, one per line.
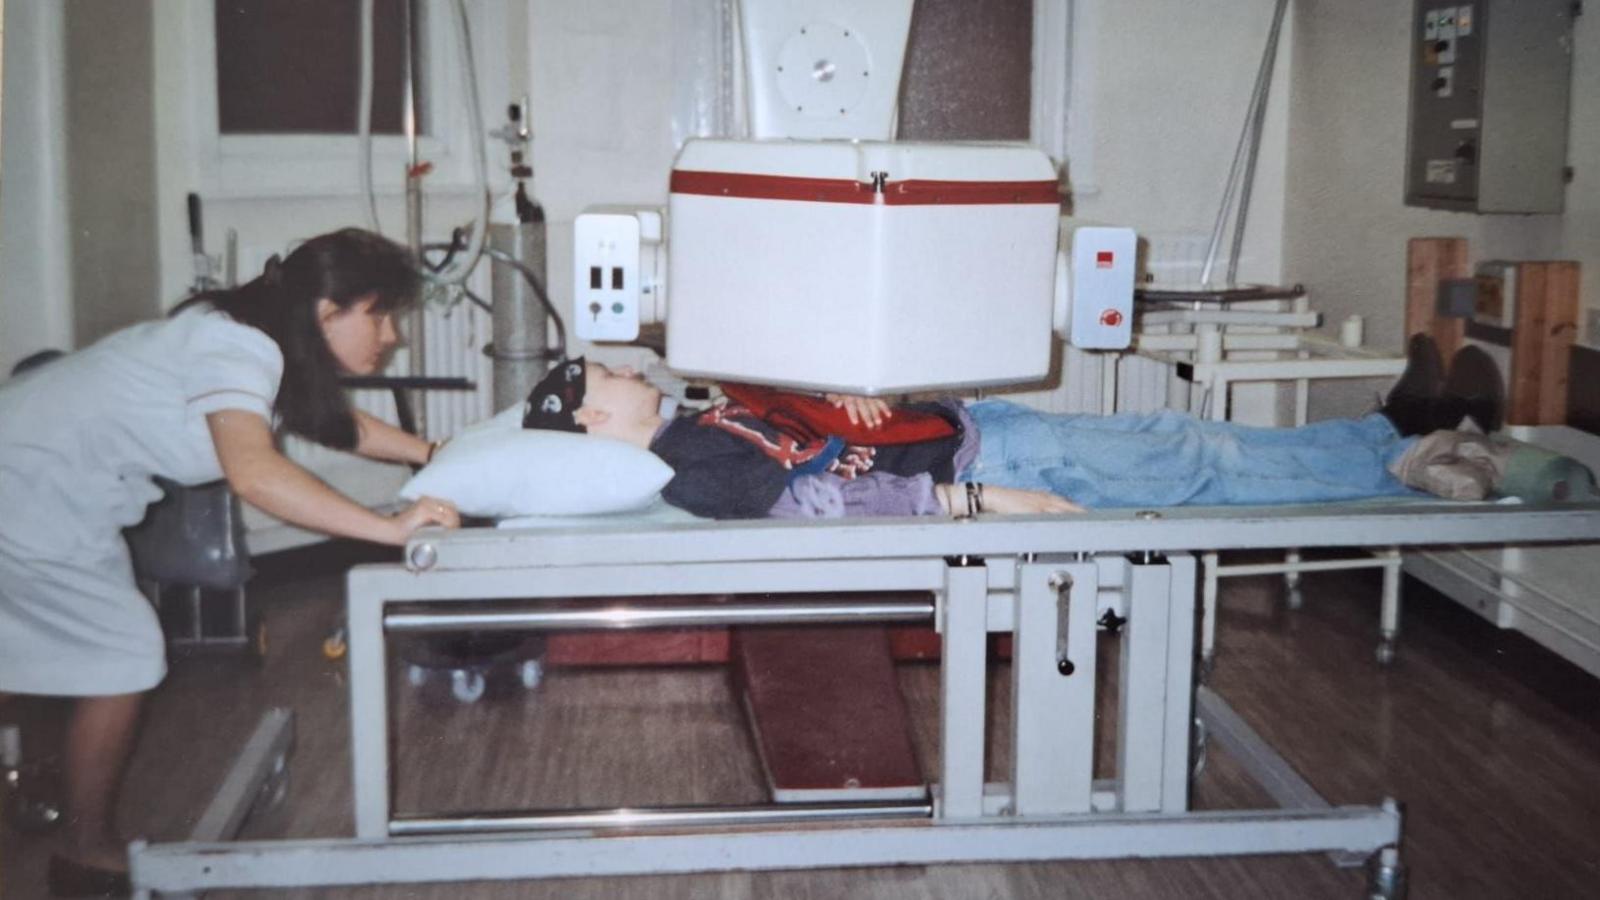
<point x="659" y="512"/>
<point x="80" y="438"/>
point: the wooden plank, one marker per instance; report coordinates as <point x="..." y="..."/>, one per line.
<point x="1429" y="261"/>
<point x="1541" y="346"/>
<point x="698" y="646"/>
<point x="1522" y="397"/>
<point x="826" y="712"/>
<point x="1561" y="310"/>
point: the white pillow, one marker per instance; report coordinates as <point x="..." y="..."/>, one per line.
<point x="499" y="470"/>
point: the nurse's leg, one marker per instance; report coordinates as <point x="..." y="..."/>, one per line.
<point x="99" y="741"/>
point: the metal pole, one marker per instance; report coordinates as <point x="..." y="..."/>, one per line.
<point x="416" y="340"/>
<point x="657" y="817"/>
<point x="520" y="346"/>
<point x="625" y="616"/>
<point x="1264" y="79"/>
<point x="1244" y="153"/>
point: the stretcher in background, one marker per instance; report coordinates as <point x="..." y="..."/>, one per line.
<point x="1213" y="340"/>
<point x="1525" y="314"/>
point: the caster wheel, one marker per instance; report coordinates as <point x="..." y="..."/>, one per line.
<point x="333" y="646"/>
<point x="467" y="686"/>
<point x="1385" y="654"/>
<point x="1386" y="876"/>
<point x="531" y="672"/>
<point x="29" y="806"/>
<point x="1294" y="599"/>
<point x="416" y="676"/>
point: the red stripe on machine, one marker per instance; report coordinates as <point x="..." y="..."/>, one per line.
<point x="770" y="187"/>
<point x="913" y="192"/>
<point x="921" y="192"/>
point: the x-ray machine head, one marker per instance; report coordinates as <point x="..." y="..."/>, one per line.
<point x="821" y="254"/>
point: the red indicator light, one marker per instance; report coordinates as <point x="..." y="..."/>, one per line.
<point x="1111" y="318"/>
<point x="1104" y="259"/>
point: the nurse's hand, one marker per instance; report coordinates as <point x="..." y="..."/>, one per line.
<point x="426" y="511"/>
<point x="1012" y="501"/>
<point x="869" y="411"/>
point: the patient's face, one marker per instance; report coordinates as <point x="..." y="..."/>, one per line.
<point x="622" y="392"/>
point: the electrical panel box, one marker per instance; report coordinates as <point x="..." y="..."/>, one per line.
<point x="1490" y="89"/>
<point x="615" y="280"/>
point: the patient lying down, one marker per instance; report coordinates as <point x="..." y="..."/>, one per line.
<point x="761" y="453"/>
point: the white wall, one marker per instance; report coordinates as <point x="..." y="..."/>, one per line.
<point x="35" y="281"/>
<point x="110" y="166"/>
<point x="1347" y="226"/>
<point x="1169" y="96"/>
<point x="602" y="91"/>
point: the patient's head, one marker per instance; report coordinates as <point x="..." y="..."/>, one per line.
<point x="576" y="395"/>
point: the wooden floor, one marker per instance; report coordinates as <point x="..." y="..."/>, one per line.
<point x="1492" y="744"/>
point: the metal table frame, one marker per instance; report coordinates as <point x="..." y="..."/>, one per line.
<point x="1042" y="579"/>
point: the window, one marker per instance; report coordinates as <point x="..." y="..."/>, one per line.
<point x="289" y="67"/>
<point x="968" y="71"/>
<point x="271" y="93"/>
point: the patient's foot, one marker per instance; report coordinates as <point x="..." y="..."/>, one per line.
<point x="1449" y="464"/>
<point x="1474" y="390"/>
<point x="1410" y="406"/>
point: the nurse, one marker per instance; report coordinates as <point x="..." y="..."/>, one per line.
<point x="194" y="397"/>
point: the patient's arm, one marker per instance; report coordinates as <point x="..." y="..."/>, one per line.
<point x="828" y="496"/>
<point x="1006" y="501"/>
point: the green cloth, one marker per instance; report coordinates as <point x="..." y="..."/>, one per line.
<point x="1541" y="476"/>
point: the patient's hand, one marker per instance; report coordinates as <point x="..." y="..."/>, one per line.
<point x="1013" y="501"/>
<point x="869" y="411"/>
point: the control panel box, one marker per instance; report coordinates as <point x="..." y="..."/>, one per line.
<point x="1490" y="94"/>
<point x="1094" y="285"/>
<point x="616" y="279"/>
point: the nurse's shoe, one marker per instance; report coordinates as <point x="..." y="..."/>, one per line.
<point x="1474" y="390"/>
<point x="75" y="879"/>
<point x="1411" y="403"/>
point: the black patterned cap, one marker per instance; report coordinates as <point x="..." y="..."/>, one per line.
<point x="556" y="398"/>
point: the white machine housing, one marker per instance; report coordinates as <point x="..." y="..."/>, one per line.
<point x="619" y="272"/>
<point x="851" y="263"/>
<point x="824" y="68"/>
<point x="862" y="266"/>
<point x="1094" y="285"/>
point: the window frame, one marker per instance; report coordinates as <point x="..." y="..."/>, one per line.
<point x="279" y="165"/>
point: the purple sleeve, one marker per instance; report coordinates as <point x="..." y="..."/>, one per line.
<point x="827" y="496"/>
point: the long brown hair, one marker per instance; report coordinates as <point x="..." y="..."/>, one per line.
<point x="344" y="267"/>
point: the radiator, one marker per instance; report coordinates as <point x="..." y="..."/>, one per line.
<point x="457" y="335"/>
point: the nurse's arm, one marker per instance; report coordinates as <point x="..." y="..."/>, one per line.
<point x="270" y="481"/>
<point x="377" y="439"/>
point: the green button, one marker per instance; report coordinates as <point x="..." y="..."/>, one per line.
<point x="616" y="308"/>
